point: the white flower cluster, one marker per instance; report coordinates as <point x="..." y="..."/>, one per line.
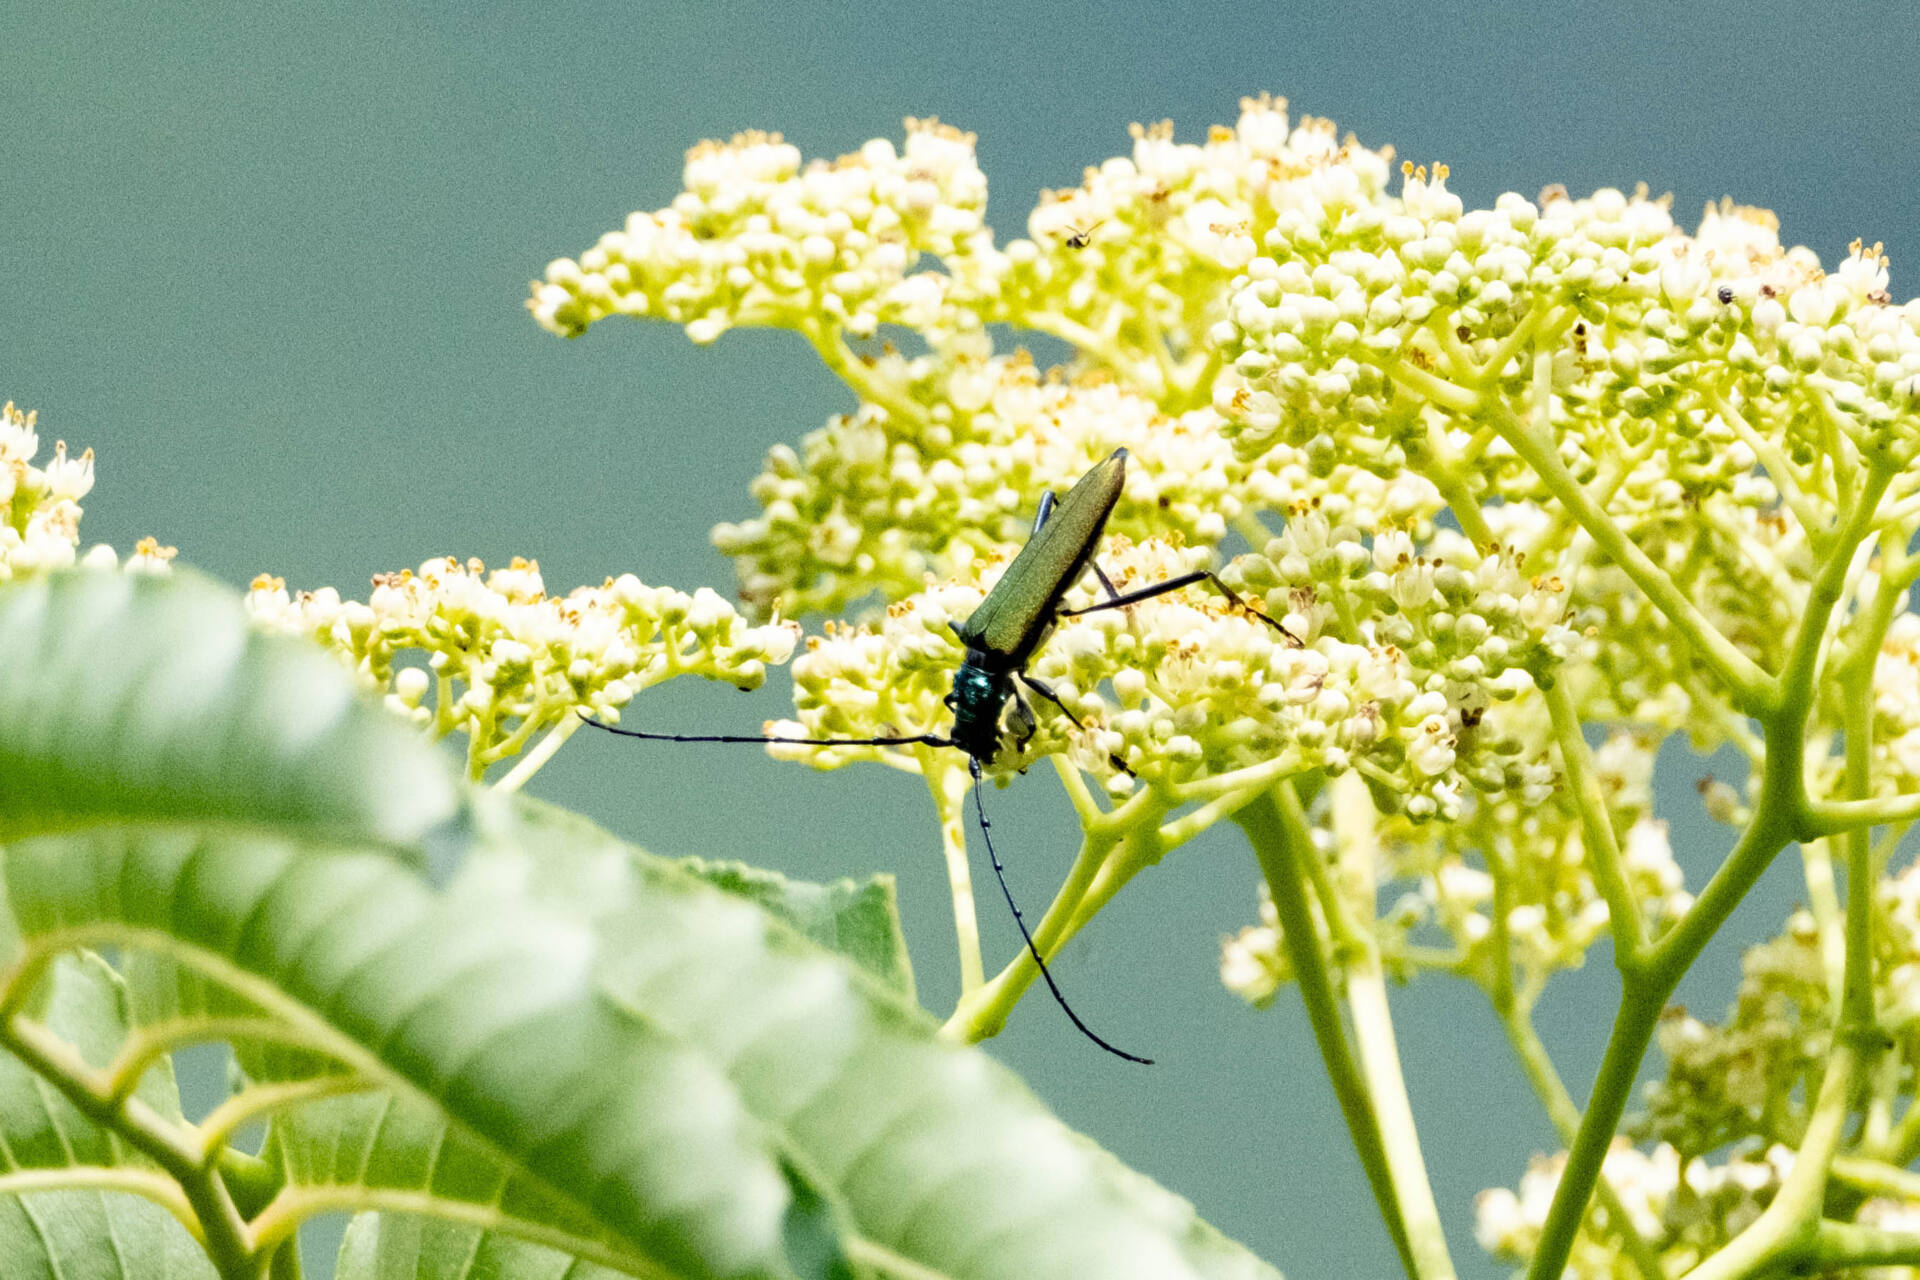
<point x="1253" y="962"/>
<point x="40" y="508"/>
<point x="758" y="239"/>
<point x="1667" y="333"/>
<point x="874" y="503"/>
<point x="949" y="448"/>
<point x="1132" y="265"/>
<point x="505" y="659"/>
<point x="1703" y="389"/>
<point x="1683" y="1208"/>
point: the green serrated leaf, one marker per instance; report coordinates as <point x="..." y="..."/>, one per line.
<point x="98" y="1227"/>
<point x="860" y="919"/>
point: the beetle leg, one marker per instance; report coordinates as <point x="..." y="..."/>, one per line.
<point x="1040" y="688"/>
<point x="1174" y="584"/>
<point x="1040" y="519"/>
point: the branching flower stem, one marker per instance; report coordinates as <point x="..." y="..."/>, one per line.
<point x="832" y="347"/>
<point x="1780" y="815"/>
<point x="1788" y="1231"/>
<point x="1750" y="685"/>
<point x="1117" y="845"/>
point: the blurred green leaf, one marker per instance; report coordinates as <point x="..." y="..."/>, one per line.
<point x="131" y="696"/>
<point x="570" y="1048"/>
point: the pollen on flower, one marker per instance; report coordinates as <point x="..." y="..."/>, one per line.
<point x="40" y="507"/>
<point x="509" y="660"/>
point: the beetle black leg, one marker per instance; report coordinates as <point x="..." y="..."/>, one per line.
<point x="1041" y="688"/>
<point x="1106" y="583"/>
<point x="1047" y="693"/>
<point x="1121" y="601"/>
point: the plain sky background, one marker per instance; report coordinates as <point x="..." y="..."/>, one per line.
<point x="269" y="261"/>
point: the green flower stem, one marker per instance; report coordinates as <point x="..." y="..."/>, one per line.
<point x="1829" y="917"/>
<point x="983" y="1011"/>
<point x="1442" y="469"/>
<point x="1644" y="991"/>
<point x="1564" y="1113"/>
<point x="1283" y="847"/>
<point x="948" y="786"/>
<point x="1796" y="682"/>
<point x="1099" y="345"/>
<point x="1844" y="1246"/>
<point x="1780" y="815"/>
<point x="1116" y="847"/>
<point x="841" y="361"/>
<point x="1838" y="817"/>
<point x="1785" y="476"/>
<point x="1641" y="1001"/>
<point x="1750" y="685"/>
<point x="530" y="763"/>
<point x="216" y="1224"/>
<point x="1787" y="1231"/>
<point x="1356" y="840"/>
<point x="1877" y="1177"/>
<point x="1604" y="860"/>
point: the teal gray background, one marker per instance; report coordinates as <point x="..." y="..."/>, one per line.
<point x="269" y="261"/>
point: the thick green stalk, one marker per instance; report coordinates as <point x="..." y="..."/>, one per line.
<point x="1780" y="815"/>
<point x="1283" y="850"/>
<point x="1564" y="1113"/>
<point x="1787" y="1231"/>
<point x="1358" y="854"/>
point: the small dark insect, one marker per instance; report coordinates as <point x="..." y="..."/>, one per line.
<point x="1081" y="237"/>
<point x="1001" y="637"/>
<point x="1725" y="295"/>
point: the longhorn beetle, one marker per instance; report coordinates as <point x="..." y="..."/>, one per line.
<point x="1001" y="637"/>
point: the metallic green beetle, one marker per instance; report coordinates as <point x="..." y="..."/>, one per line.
<point x="1001" y="637"/>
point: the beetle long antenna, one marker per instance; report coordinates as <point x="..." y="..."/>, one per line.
<point x="907" y="740"/>
<point x="999" y="873"/>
